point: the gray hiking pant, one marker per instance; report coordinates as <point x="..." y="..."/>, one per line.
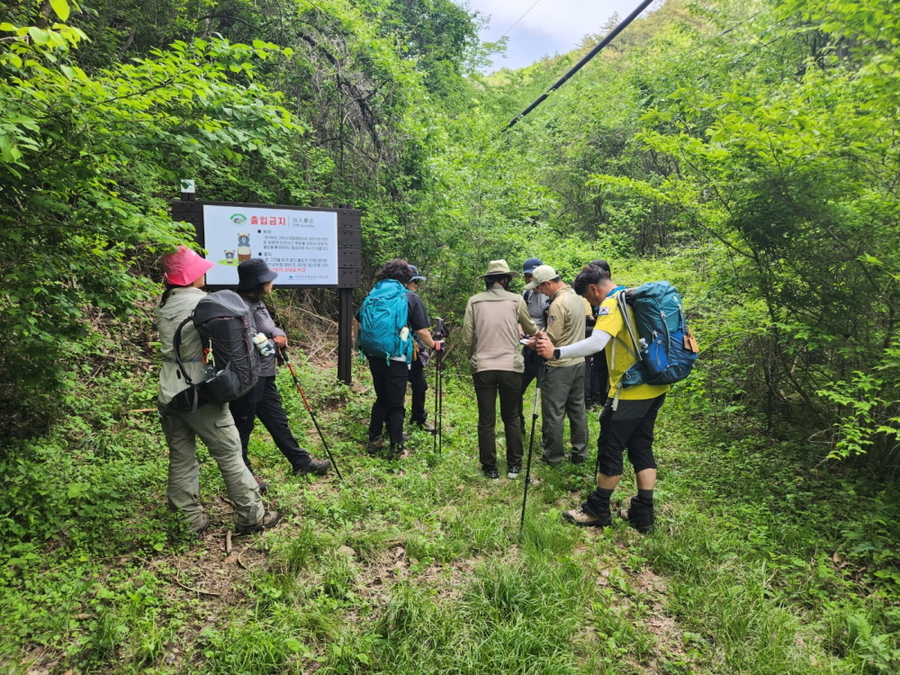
<point x="215" y="427"/>
<point x="562" y="394"/>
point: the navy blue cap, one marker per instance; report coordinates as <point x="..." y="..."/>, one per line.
<point x="530" y="264"/>
<point x="416" y="276"/>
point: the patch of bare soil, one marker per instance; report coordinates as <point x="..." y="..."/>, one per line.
<point x="669" y="643"/>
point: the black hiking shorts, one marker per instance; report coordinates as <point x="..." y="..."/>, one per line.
<point x="629" y="427"/>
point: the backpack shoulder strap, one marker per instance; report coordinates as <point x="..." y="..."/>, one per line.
<point x="623" y="307"/>
<point x="176" y="345"/>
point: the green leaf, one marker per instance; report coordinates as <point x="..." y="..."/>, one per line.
<point x="61" y="7"/>
<point x="76" y="490"/>
<point x="40" y="37"/>
<point x="13" y="59"/>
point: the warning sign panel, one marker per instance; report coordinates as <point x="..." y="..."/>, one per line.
<point x="300" y="245"/>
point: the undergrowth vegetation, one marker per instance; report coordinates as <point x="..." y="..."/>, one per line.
<point x="759" y="565"/>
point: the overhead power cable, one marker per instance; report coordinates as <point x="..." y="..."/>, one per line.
<point x="578" y="66"/>
<point x="519" y="19"/>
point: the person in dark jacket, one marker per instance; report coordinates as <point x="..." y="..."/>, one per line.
<point x="595" y="393"/>
<point x="263" y="402"/>
<point x="419" y="415"/>
<point x="537" y="304"/>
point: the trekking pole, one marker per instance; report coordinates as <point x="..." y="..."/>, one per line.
<point x="438" y="441"/>
<point x="534" y="416"/>
<point x="282" y="351"/>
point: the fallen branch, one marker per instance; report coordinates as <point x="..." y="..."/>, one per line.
<point x="194" y="590"/>
<point x="173" y="577"/>
<point x="240" y="562"/>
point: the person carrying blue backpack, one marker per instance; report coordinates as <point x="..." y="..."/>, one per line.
<point x="388" y="318"/>
<point x="648" y="346"/>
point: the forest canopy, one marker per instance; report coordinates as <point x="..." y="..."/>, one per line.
<point x="756" y="138"/>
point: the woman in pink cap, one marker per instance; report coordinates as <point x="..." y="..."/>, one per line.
<point x="185" y="275"/>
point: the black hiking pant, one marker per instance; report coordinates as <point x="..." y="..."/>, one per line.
<point x="629" y="427"/>
<point x="264" y="403"/>
<point x="488" y="385"/>
<point x="419" y="385"/>
<point x="389" y="380"/>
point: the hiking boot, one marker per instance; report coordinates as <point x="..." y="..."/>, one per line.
<point x="202" y="527"/>
<point x="576" y="459"/>
<point x="426" y="426"/>
<point x="513" y="471"/>
<point x="399" y="452"/>
<point x="582" y="518"/>
<point x="319" y="467"/>
<point x="269" y="520"/>
<point x="263" y="485"/>
<point x="639" y="515"/>
<point x="377" y="444"/>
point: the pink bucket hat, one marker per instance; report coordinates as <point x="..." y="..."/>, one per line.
<point x="184" y="267"/>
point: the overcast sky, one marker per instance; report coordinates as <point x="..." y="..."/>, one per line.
<point x="553" y="26"/>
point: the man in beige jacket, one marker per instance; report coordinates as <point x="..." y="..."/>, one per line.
<point x="490" y="337"/>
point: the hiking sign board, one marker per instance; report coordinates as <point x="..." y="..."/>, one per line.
<point x="300" y="245"/>
<point x="308" y="247"/>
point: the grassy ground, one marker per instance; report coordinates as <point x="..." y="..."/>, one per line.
<point x="759" y="565"/>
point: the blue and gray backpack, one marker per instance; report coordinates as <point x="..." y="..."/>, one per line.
<point x="383" y="318"/>
<point x="663" y="344"/>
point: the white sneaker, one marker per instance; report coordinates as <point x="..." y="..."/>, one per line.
<point x="514" y="472"/>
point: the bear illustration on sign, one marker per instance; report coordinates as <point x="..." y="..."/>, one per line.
<point x="229" y="257"/>
<point x="243" y="249"/>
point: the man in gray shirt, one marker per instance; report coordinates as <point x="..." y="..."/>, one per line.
<point x="537" y="304"/>
<point x="562" y="384"/>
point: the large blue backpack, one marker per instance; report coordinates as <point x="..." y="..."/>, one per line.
<point x="383" y="318"/>
<point x="663" y="343"/>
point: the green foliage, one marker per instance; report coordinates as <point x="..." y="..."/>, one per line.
<point x="416" y="567"/>
<point x="784" y="177"/>
<point x="756" y="139"/>
<point x="84" y="162"/>
<point x="743" y="150"/>
<point x="859" y="428"/>
<point x="91" y="140"/>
